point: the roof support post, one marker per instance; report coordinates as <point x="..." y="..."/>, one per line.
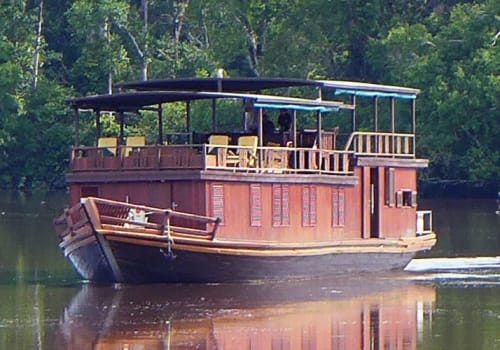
<point x="393" y="123"/>
<point x="413" y="123"/>
<point x="260" y="133"/>
<point x="122" y="127"/>
<point x="318" y="127"/>
<point x="97" y="125"/>
<point x="294" y="137"/>
<point x="188" y="121"/>
<point x="260" y="129"/>
<point x="160" y="124"/>
<point x="214" y="115"/>
<point x="353" y="113"/>
<point x="294" y="128"/>
<point x="76" y="125"/>
<point x="375" y="122"/>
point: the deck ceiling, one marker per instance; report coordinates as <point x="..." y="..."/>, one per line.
<point x="257" y="85"/>
<point x="134" y="101"/>
<point x="215" y="84"/>
<point x="141" y="94"/>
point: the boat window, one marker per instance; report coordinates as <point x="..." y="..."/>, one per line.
<point x="281" y="207"/>
<point x="309" y="205"/>
<point x="255" y="205"/>
<point x="338" y="207"/>
<point x="218" y="202"/>
<point x="406" y="198"/>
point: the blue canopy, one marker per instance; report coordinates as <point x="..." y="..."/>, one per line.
<point x="321" y="109"/>
<point x="374" y="94"/>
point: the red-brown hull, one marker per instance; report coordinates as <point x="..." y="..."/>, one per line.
<point x="144" y="264"/>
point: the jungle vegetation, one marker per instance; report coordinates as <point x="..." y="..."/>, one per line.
<point x="51" y="50"/>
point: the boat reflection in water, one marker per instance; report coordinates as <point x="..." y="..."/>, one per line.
<point x="349" y="313"/>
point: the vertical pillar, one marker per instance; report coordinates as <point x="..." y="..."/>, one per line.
<point x="260" y="133"/>
<point x="375" y="123"/>
<point x="318" y="130"/>
<point x="76" y="125"/>
<point x="188" y="121"/>
<point x="97" y="126"/>
<point x="160" y="124"/>
<point x="413" y="124"/>
<point x="294" y="128"/>
<point x="393" y="124"/>
<point x="353" y="113"/>
<point x="122" y="128"/>
<point x="260" y="129"/>
<point x="214" y="115"/>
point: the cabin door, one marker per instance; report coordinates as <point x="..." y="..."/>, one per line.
<point x="186" y="196"/>
<point x="177" y="197"/>
<point x="374" y="203"/>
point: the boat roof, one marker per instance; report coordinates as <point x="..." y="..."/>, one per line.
<point x="249" y="84"/>
<point x="215" y="84"/>
<point x="134" y="101"/>
<point x="369" y="89"/>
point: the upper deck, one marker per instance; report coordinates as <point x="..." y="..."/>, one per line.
<point x="296" y="151"/>
<point x="331" y="163"/>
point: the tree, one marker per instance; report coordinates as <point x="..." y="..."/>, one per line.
<point x="457" y="68"/>
<point x="103" y="57"/>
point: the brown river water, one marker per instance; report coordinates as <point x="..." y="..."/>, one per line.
<point x="447" y="299"/>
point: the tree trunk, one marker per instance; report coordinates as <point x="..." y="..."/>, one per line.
<point x="38" y="39"/>
<point x="144" y="57"/>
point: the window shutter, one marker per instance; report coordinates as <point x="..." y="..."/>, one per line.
<point x="399" y="199"/>
<point x="218" y="202"/>
<point x="414" y="199"/>
<point x="255" y="205"/>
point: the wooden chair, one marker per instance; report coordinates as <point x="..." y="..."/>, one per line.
<point x="134" y="141"/>
<point x="108" y="144"/>
<point x="217" y="155"/>
<point x="246" y="154"/>
<point x="217" y="140"/>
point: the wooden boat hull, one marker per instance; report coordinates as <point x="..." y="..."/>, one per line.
<point x="121" y="252"/>
<point x="142" y="264"/>
<point x="91" y="263"/>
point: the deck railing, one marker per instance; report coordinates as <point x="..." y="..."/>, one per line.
<point x="149" y="220"/>
<point x="424" y="222"/>
<point x="382" y="144"/>
<point x="210" y="157"/>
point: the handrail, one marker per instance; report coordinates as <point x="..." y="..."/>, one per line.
<point x="424" y="222"/>
<point x="153" y="220"/>
<point x="282" y="159"/>
<point x="221" y="157"/>
<point x="385" y="144"/>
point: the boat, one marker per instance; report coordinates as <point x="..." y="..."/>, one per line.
<point x="341" y="314"/>
<point x="250" y="205"/>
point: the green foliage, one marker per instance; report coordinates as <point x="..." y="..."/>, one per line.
<point x="458" y="68"/>
<point x="447" y="49"/>
<point x="37" y="152"/>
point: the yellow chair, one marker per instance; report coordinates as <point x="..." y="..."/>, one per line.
<point x="108" y="143"/>
<point x="134" y="141"/>
<point x="217" y="140"/>
<point x="246" y="154"/>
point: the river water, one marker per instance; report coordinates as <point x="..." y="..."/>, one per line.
<point x="447" y="299"/>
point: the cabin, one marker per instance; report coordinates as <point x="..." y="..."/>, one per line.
<point x="300" y="185"/>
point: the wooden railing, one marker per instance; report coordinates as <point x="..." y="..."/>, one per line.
<point x="204" y="157"/>
<point x="382" y="144"/>
<point x="149" y="220"/>
<point x="424" y="222"/>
